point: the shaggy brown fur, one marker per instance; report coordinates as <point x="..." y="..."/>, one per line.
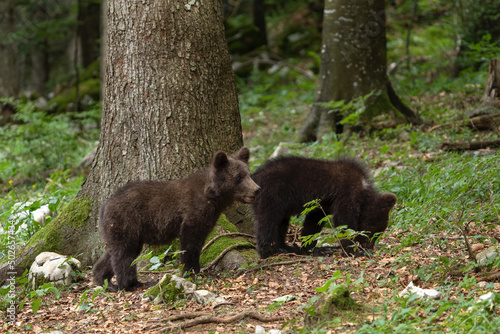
<point x="345" y="191"/>
<point x="156" y="212"/>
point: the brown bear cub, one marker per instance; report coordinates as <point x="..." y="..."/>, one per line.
<point x="156" y="212"/>
<point x="343" y="187"/>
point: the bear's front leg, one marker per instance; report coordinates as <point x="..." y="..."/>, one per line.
<point x="312" y="226"/>
<point x="192" y="237"/>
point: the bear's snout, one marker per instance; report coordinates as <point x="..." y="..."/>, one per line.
<point x="252" y="189"/>
<point x="257" y="190"/>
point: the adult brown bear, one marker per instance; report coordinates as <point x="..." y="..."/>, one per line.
<point x="343" y="187"/>
<point x="156" y="212"/>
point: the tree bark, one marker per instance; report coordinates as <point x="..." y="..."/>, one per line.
<point x="486" y="116"/>
<point x="170" y="102"/>
<point x="353" y="64"/>
<point x="9" y="84"/>
<point x="492" y="86"/>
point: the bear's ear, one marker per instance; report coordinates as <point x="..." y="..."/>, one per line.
<point x="243" y="154"/>
<point x="220" y="160"/>
<point x="387" y="201"/>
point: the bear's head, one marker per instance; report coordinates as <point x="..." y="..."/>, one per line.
<point x="230" y="178"/>
<point x="375" y="218"/>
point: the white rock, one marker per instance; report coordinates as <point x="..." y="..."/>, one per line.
<point x="259" y="330"/>
<point x="284" y="299"/>
<point x="488" y="301"/>
<point x="53" y="267"/>
<point x="39" y="215"/>
<point x="189" y="287"/>
<point x="412" y="289"/>
<point x="491" y="252"/>
<point x="281" y="149"/>
<point x="482" y="284"/>
<point x="262" y="330"/>
<point x="206" y="297"/>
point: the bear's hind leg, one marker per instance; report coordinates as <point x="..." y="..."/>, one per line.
<point x="126" y="274"/>
<point x="103" y="270"/>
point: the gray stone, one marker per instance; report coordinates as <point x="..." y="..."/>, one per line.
<point x="490" y="253"/>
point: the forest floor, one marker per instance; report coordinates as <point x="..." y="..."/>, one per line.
<point x="253" y="290"/>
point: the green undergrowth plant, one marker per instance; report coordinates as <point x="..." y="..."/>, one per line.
<point x="38" y="141"/>
<point x="18" y="206"/>
<point x="87" y="301"/>
<point x="17" y="292"/>
<point x="335" y="233"/>
<point x="462" y="313"/>
<point x="166" y="258"/>
<point x="333" y="304"/>
<point x="439" y="202"/>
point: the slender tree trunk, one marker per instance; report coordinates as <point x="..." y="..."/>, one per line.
<point x="9" y="84"/>
<point x="39" y="52"/>
<point x="89" y="22"/>
<point x="170" y="102"/>
<point x="259" y="19"/>
<point x="353" y="64"/>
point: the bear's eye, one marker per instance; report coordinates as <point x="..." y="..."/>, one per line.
<point x="239" y="178"/>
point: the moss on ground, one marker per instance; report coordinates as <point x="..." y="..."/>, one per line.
<point x="336" y="304"/>
<point x="89" y="87"/>
<point x="381" y="108"/>
<point x="166" y="289"/>
<point x="223" y="226"/>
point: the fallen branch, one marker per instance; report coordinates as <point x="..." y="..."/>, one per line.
<point x="256" y="61"/>
<point x="486" y="122"/>
<point x="464" y="146"/>
<point x="239" y="234"/>
<point x="207" y="319"/>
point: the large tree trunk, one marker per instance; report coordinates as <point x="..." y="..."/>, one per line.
<point x="170" y="102"/>
<point x="353" y="64"/>
<point x="9" y="84"/>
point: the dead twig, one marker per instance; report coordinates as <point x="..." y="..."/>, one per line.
<point x="239" y="234"/>
<point x="279" y="63"/>
<point x="284" y="263"/>
<point x="76" y="330"/>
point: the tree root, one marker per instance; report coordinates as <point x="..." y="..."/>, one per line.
<point x="221" y="255"/>
<point x="207" y="319"/>
<point x="239" y="234"/>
